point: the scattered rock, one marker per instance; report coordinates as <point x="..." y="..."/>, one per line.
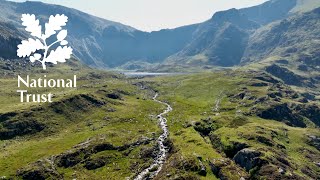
<point x="269" y="171"/>
<point x="224" y="169"/>
<point x="149" y="152"/>
<point x="42" y="169"/>
<point x="314" y="141"/>
<point x="311" y="173"/>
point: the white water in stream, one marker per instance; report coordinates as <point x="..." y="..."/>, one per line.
<point x="161" y="157"/>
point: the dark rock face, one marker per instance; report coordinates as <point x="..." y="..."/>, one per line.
<point x="283" y="113"/>
<point x="269" y="11"/>
<point x="103" y="147"/>
<point x="42" y="169"/>
<point x="222" y="39"/>
<point x="310" y="111"/>
<point x="282" y="61"/>
<point x="308" y="96"/>
<point x="303" y="68"/>
<point x="10" y="37"/>
<point x="265" y="141"/>
<point x="92" y="164"/>
<point x="15" y="128"/>
<point x="314" y="141"/>
<point x="33" y="175"/>
<point x="70" y="159"/>
<point x="92" y="100"/>
<point x="259" y="84"/>
<point x="149" y="152"/>
<point x="248" y="158"/>
<point x="266" y="78"/>
<point x="82" y="154"/>
<point x="292" y="114"/>
<point x="287" y="76"/>
<point x="107" y="43"/>
<point x="205" y="126"/>
<point x="234" y="148"/>
<point x="7" y="116"/>
<point x="289" y="38"/>
<point x="81" y="102"/>
<point x="114" y="96"/>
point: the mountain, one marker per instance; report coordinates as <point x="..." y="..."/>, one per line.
<point x="10" y="37"/>
<point x="289" y="49"/>
<point x="99" y="42"/>
<point x="226" y="31"/>
<point x="269" y="11"/>
<point x="223" y="40"/>
<point x="295" y="38"/>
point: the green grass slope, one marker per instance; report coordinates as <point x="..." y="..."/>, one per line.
<point x="218" y="117"/>
<point x="224" y="125"/>
<point x="104" y="111"/>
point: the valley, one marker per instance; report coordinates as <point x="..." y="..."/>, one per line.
<point x="234" y="97"/>
<point x="110" y="128"/>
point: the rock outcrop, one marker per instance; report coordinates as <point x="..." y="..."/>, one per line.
<point x="248" y="158"/>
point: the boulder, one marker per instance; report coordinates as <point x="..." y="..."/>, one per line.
<point x="92" y="164"/>
<point x="248" y="158"/>
<point x="114" y="96"/>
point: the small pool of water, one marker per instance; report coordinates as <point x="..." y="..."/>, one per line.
<point x="145" y="74"/>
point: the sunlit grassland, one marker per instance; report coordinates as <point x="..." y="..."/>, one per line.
<point x="133" y="117"/>
<point x="193" y="98"/>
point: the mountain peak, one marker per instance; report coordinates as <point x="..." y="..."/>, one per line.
<point x="226" y="16"/>
<point x="235" y="17"/>
<point x="270" y="11"/>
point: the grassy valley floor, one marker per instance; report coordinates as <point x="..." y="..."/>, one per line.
<point x="224" y="125"/>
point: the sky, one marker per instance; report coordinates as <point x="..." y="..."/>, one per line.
<point x="152" y="15"/>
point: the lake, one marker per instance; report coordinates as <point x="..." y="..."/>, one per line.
<point x="145" y="74"/>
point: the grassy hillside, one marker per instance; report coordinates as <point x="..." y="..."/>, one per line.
<point x="217" y="115"/>
<point x="228" y="124"/>
<point x="105" y="109"/>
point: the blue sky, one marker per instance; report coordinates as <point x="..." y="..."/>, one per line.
<point x="151" y="15"/>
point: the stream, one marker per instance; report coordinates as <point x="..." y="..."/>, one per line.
<point x="150" y="172"/>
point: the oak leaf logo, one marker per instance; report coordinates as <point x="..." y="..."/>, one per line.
<point x="36" y="48"/>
